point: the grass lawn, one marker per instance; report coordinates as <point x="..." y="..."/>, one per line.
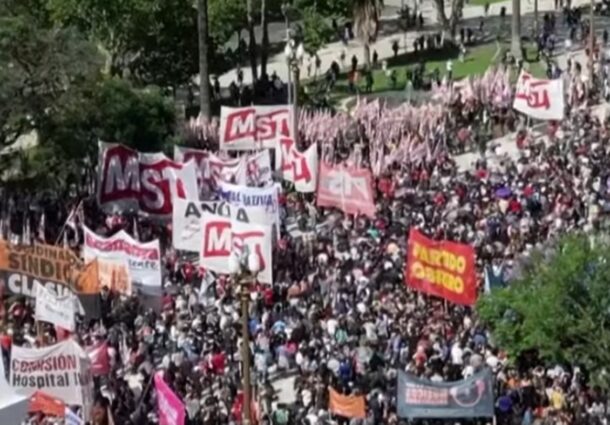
<point x="478" y="59"/>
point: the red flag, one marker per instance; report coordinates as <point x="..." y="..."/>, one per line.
<point x="100" y="362"/>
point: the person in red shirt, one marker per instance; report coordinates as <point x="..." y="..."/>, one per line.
<point x="386" y="186"/>
<point x="514" y="206"/>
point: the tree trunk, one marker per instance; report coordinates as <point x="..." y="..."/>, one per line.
<point x="536" y="19"/>
<point x="515" y="45"/>
<point x="252" y="41"/>
<point x="449" y="24"/>
<point x="265" y="40"/>
<point x="457" y="6"/>
<point x="441" y="17"/>
<point x="367" y="55"/>
<point x="204" y="77"/>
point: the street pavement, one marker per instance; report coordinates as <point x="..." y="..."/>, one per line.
<point x="390" y="33"/>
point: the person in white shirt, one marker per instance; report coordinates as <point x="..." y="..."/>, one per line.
<point x="457" y="354"/>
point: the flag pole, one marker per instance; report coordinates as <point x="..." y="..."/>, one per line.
<point x="63" y="228"/>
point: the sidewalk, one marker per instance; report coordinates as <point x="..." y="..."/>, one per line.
<point x="383" y="46"/>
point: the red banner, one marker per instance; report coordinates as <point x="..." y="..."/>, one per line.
<point x="128" y="180"/>
<point x="348" y="188"/>
<point x="441" y="268"/>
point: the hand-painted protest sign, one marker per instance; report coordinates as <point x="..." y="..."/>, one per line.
<point x="169" y="407"/>
<point x="60" y="370"/>
<point x="254" y="127"/>
<point x="441" y="268"/>
<point x="260" y="203"/>
<point x="187" y="224"/>
<point x="539" y="98"/>
<point x="469" y="398"/>
<point x="300" y="168"/>
<point x="22" y="266"/>
<point x="145" y="182"/>
<point x="348" y="188"/>
<point x="221" y="237"/>
<point x="143" y="259"/>
<point x="54" y="309"/>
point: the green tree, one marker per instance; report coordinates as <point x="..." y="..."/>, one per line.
<point x="560" y="307"/>
<point x="366" y="24"/>
<point x="154" y="39"/>
<point x="226" y="17"/>
<point x="110" y="110"/>
<point x="316" y="30"/>
<point x="41" y="67"/>
<point x="329" y="8"/>
<point x="113" y="111"/>
<point x="165" y="49"/>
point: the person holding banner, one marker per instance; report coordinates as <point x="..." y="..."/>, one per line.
<point x="364" y="305"/>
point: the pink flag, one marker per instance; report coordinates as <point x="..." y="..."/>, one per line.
<point x="100" y="362"/>
<point x="170" y="408"/>
<point x="348" y="188"/>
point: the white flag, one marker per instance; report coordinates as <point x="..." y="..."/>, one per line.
<point x="57" y="310"/>
<point x="538" y="98"/>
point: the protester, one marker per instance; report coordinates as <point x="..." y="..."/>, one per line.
<point x="338" y="314"/>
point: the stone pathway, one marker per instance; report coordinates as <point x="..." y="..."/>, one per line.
<point x="383" y="46"/>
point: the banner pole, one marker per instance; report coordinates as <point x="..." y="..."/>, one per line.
<point x="63" y="228"/>
<point x="39" y="333"/>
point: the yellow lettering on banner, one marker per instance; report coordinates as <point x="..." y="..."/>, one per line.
<point x="437" y="276"/>
<point x="440" y="258"/>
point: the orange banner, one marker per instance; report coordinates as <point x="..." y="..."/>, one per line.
<point x="97" y="274"/>
<point x="348" y="406"/>
<point x="441" y="268"/>
<point x="21" y="266"/>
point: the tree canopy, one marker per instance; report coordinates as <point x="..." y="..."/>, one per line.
<point x="40" y="68"/>
<point x="316" y="30"/>
<point x="155" y="40"/>
<point x="53" y="91"/>
<point x="559" y="307"/>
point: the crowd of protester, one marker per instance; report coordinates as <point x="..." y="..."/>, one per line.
<point x="339" y="313"/>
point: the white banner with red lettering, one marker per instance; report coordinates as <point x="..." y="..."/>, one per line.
<point x="538" y="98"/>
<point x="148" y="182"/>
<point x="300" y="168"/>
<point x="61" y="371"/>
<point x="248" y="170"/>
<point x="187" y="223"/>
<point x="222" y="236"/>
<point x="254" y="127"/>
<point x="143" y="258"/>
<point x="349" y="189"/>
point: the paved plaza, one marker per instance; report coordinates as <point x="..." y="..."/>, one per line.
<point x="390" y="33"/>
